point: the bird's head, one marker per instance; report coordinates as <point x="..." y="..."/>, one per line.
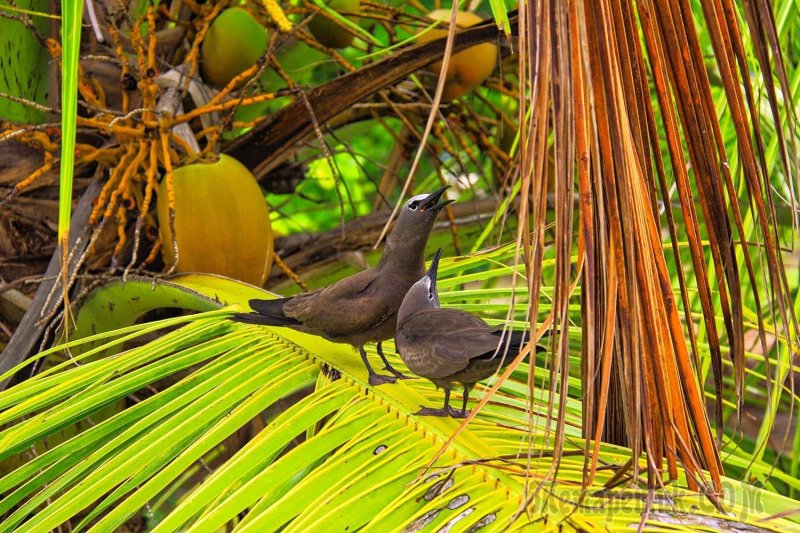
<point x="424" y="206"/>
<point x="414" y="224"/>
<point x="423" y="294"/>
<point x="419" y="213"/>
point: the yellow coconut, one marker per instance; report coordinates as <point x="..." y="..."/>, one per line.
<point x="222" y="223"/>
<point x="233" y="44"/>
<point x="468" y="68"/>
<point x="330" y="33"/>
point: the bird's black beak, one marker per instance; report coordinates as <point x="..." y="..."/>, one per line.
<point x="434" y="267"/>
<point x="432" y="201"/>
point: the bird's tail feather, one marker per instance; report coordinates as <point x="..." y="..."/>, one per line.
<point x="517" y="339"/>
<point x="267" y="313"/>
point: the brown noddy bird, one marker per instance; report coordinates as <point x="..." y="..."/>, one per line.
<point x="449" y="346"/>
<point x="362" y="308"/>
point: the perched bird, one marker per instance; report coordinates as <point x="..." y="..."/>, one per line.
<point x="449" y="346"/>
<point x="363" y="307"/>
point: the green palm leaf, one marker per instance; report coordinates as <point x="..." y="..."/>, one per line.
<point x="345" y="456"/>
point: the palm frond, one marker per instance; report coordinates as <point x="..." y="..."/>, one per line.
<point x="344" y="455"/>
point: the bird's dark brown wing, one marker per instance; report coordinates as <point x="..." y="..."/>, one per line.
<point x="436" y="343"/>
<point x="347" y="307"/>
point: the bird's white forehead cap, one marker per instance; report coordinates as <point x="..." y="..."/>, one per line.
<point x="423" y="286"/>
<point x="417" y="198"/>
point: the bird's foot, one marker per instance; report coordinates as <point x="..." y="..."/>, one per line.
<point x="379" y="379"/>
<point x="430" y="411"/>
<point x="397" y="373"/>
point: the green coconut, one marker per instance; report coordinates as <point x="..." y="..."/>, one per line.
<point x="222" y="223"/>
<point x="330" y="33"/>
<point x="233" y="44"/>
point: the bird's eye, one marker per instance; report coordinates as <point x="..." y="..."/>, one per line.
<point x="413" y="205"/>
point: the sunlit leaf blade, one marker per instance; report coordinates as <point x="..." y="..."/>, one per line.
<point x="70" y="51"/>
<point x="361" y="467"/>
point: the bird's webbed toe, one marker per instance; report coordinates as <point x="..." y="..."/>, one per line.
<point x="430" y="411"/>
<point x="380" y="379"/>
<point x="398" y="374"/>
<point x="448" y="411"/>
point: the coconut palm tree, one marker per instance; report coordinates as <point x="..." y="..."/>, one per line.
<point x="642" y="229"/>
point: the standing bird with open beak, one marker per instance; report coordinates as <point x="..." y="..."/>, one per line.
<point x="449" y="346"/>
<point x="362" y="308"/>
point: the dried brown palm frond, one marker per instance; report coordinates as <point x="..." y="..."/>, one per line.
<point x="591" y="69"/>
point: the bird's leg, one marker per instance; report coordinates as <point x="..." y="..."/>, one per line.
<point x="444" y="411"/>
<point x="388" y="366"/>
<point x="430" y="411"/>
<point x="464" y="411"/>
<point x="374" y="378"/>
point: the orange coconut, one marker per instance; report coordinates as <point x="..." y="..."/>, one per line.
<point x="469" y="68"/>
